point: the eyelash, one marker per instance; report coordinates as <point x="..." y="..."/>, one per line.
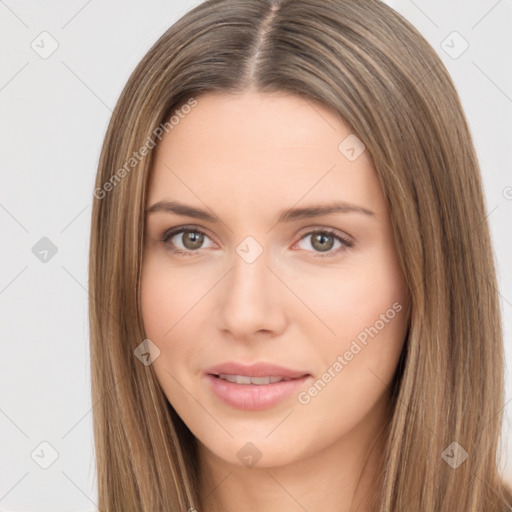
<point x="346" y="243"/>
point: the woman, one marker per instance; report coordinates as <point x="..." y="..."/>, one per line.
<point x="238" y="360"/>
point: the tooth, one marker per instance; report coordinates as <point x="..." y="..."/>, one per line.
<point x="244" y="379"/>
<point x="260" y="380"/>
<point x="229" y="378"/>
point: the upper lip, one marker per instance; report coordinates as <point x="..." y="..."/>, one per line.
<point x="255" y="370"/>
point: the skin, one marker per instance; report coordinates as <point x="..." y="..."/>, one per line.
<point x="245" y="158"/>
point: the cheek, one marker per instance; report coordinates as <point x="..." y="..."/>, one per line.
<point x="164" y="304"/>
<point x="171" y="303"/>
<point x="156" y="303"/>
<point x="168" y="296"/>
<point x="367" y="311"/>
<point x="347" y="302"/>
<point x="364" y="308"/>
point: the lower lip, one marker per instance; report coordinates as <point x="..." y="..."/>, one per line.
<point x="252" y="397"/>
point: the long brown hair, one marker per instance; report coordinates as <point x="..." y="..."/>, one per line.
<point x="372" y="67"/>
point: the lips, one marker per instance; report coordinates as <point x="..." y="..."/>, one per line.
<point x="254" y="387"/>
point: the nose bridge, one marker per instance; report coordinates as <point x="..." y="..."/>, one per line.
<point x="247" y="303"/>
<point x="249" y="275"/>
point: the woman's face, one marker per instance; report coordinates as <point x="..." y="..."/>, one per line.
<point x="264" y="274"/>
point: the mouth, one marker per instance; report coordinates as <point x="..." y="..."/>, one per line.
<point x="246" y="373"/>
<point x="246" y="379"/>
<point x="256" y="387"/>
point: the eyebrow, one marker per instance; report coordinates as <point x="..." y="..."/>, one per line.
<point x="287" y="215"/>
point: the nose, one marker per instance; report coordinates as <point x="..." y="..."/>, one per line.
<point x="252" y="304"/>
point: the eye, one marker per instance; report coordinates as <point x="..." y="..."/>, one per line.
<point x="188" y="240"/>
<point x="323" y="240"/>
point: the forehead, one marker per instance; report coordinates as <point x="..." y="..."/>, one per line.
<point x="254" y="148"/>
<point x="255" y="121"/>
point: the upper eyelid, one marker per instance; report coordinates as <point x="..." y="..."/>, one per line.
<point x="169" y="233"/>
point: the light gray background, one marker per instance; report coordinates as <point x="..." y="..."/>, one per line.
<point x="54" y="113"/>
